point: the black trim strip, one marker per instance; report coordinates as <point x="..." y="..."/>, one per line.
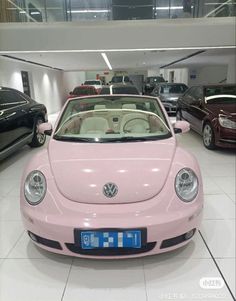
<point x="29" y="62"/>
<point x="183" y="59"/>
<point x="111" y="251"/>
<point x="217" y="265"/>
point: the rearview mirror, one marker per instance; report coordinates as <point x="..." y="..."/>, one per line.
<point x="181" y="127"/>
<point x="45" y="128"/>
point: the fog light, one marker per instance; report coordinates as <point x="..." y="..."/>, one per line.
<point x="189" y="234"/>
<point x="32" y="236"/>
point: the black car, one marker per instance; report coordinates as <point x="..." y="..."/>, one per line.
<point x="19" y="118"/>
<point x="119" y="89"/>
<point x="169" y="94"/>
<point x="151" y="82"/>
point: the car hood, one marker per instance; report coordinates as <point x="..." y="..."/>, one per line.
<point x="170" y="97"/>
<point x="139" y="169"/>
<point x="225" y="109"/>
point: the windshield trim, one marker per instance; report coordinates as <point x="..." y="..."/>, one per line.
<point x="123" y="139"/>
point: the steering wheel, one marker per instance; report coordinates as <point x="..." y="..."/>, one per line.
<point x="145" y="124"/>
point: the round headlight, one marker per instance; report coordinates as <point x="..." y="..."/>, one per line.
<point x="35" y="187"/>
<point x="186" y="184"/>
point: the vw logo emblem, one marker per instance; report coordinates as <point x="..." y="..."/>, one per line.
<point x="110" y="190"/>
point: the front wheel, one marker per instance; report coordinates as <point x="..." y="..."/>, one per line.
<point x="208" y="136"/>
<point x="38" y="138"/>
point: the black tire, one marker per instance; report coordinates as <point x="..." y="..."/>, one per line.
<point x="178" y="115"/>
<point x="38" y="139"/>
<point x="208" y="136"/>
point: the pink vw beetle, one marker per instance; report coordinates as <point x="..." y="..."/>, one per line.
<point x="113" y="182"/>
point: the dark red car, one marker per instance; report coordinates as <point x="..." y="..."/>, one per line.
<point x="211" y="112"/>
<point x="83" y="90"/>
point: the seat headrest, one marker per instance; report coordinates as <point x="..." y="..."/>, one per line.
<point x="99" y="107"/>
<point x="130" y="106"/>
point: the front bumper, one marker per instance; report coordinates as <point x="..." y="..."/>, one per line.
<point x="225" y="137"/>
<point x="169" y="107"/>
<point x="165" y="230"/>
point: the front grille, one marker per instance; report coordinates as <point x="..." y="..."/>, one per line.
<point x="111" y="251"/>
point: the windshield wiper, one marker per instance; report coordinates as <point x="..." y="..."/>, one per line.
<point x="72" y="139"/>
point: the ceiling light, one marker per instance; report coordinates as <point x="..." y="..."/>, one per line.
<point x="106" y="60"/>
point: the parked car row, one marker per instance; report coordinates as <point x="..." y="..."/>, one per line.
<point x="209" y="109"/>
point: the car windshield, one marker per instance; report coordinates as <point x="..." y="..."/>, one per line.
<point x="119" y="90"/>
<point x="92" y="82"/>
<point x="112" y="119"/>
<point x="83" y="91"/>
<point x="214" y="90"/>
<point x="117" y="79"/>
<point x="173" y="89"/>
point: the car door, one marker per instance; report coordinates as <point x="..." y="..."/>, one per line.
<point x="196" y="112"/>
<point x="13" y="117"/>
<point x="184" y="103"/>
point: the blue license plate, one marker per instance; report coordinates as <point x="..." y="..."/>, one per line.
<point x="110" y="239"/>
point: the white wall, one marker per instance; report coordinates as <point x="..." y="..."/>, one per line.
<point x="208" y="75"/>
<point x="71" y="79"/>
<point x="231" y="73"/>
<point x="46" y="84"/>
<point x="153" y="72"/>
<point x="180" y="75"/>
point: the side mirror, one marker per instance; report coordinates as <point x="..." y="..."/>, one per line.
<point x="181" y="127"/>
<point x="45" y="128"/>
<point x="71" y="93"/>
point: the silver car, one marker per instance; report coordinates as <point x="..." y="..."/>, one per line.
<point x="169" y="94"/>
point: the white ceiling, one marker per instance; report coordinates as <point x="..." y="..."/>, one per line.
<point x="128" y="60"/>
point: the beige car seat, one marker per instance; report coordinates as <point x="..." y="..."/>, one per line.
<point x="94" y="125"/>
<point x="134" y="122"/>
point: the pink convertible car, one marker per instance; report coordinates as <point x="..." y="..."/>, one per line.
<point x="113" y="181"/>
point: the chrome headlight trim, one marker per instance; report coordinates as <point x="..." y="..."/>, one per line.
<point x="225" y="122"/>
<point x="186" y="185"/>
<point x="35" y="187"/>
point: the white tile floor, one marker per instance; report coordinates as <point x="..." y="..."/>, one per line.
<point x="29" y="273"/>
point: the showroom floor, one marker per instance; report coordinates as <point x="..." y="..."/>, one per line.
<point x="28" y="273"/>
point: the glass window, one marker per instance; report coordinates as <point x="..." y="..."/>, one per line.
<point x="214" y="90"/>
<point x="10" y="98"/>
<point x="84" y="91"/>
<point x="84" y="10"/>
<point x="173" y="89"/>
<point x="117" y="79"/>
<point x="198" y="93"/>
<point x="92" y="82"/>
<point x="125" y="90"/>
